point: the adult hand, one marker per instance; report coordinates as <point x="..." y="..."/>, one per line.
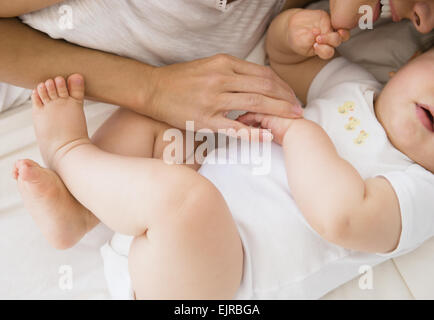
<point x="205" y="90"/>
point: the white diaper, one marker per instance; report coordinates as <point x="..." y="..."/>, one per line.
<point x="115" y="256"/>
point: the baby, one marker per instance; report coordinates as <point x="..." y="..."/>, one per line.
<point x="359" y="146"/>
<point x="350" y="164"/>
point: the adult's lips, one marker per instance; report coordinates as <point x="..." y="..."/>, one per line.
<point x="425" y="114"/>
<point x="377" y="12"/>
<point x="395" y="15"/>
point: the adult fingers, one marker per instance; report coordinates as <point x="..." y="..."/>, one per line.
<point x="259" y="104"/>
<point x="264" y="86"/>
<point x="242" y="67"/>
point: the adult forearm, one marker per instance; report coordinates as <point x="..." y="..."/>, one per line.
<point x="28" y="57"/>
<point x="17" y="7"/>
<point x="296" y="3"/>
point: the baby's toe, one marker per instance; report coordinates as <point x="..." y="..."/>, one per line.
<point x="43" y="93"/>
<point x="36" y="100"/>
<point x="15" y="171"/>
<point x="51" y="89"/>
<point x="76" y="86"/>
<point x="29" y="171"/>
<point x="62" y="90"/>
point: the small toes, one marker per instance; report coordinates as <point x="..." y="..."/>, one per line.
<point x="62" y="90"/>
<point x="51" y="89"/>
<point x="36" y="101"/>
<point x="76" y="86"/>
<point x="26" y="170"/>
<point x="43" y="93"/>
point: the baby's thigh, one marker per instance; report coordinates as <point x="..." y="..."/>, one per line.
<point x="177" y="146"/>
<point x="129" y="134"/>
<point x="191" y="252"/>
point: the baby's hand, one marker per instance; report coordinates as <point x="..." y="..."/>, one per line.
<point x="310" y="33"/>
<point x="278" y="126"/>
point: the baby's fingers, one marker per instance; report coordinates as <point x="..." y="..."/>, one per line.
<point x="332" y="39"/>
<point x="324" y="51"/>
<point x="345" y="34"/>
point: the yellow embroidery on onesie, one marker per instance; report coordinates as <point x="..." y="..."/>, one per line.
<point x="361" y="138"/>
<point x="352" y="123"/>
<point x="347" y="107"/>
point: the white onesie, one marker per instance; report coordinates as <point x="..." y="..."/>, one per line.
<point x="283" y="257"/>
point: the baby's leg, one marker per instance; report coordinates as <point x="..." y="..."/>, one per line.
<point x="186" y="242"/>
<point x="61" y="218"/>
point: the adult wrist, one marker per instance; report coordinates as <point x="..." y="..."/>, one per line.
<point x="146" y="81"/>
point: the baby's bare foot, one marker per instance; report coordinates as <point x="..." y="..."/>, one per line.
<point x="61" y="218"/>
<point x="58" y="117"/>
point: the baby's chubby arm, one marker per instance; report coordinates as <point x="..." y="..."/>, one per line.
<point x="337" y="202"/>
<point x="342" y="207"/>
<point x="9" y="9"/>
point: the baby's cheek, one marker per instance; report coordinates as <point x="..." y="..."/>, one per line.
<point x="403" y="131"/>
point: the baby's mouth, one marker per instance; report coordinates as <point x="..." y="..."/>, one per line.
<point x="425" y="114"/>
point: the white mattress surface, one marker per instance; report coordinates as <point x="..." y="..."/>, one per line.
<point x="30" y="268"/>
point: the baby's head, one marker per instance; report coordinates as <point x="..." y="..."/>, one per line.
<point x="405" y="108"/>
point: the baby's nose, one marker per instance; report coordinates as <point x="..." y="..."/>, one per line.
<point x="423" y="16"/>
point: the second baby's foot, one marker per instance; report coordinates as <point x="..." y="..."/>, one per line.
<point x="58" y="116"/>
<point x="61" y="218"/>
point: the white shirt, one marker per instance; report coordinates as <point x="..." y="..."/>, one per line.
<point x="159" y="32"/>
<point x="283" y="257"/>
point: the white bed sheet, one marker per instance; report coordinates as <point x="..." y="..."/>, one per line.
<point x="29" y="267"/>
